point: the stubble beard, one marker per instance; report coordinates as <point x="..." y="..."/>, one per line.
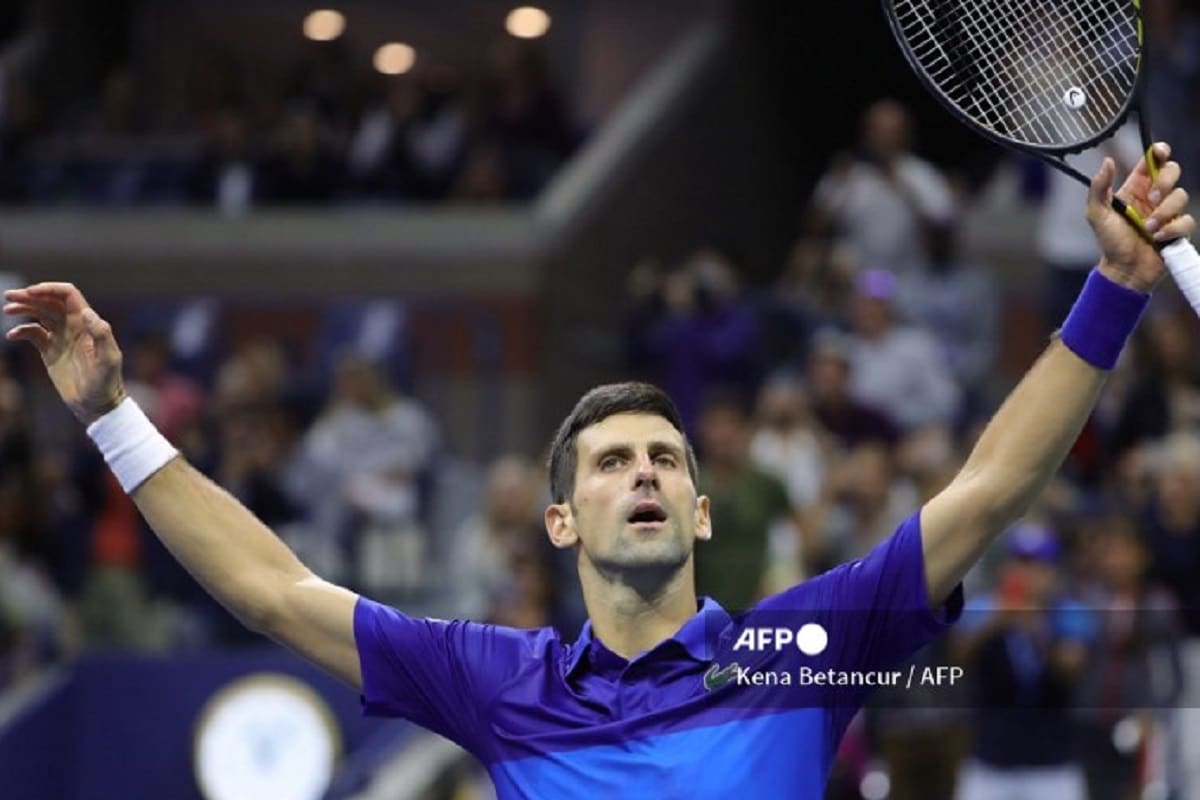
<point x="645" y="565"/>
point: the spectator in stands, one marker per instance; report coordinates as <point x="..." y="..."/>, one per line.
<point x="862" y="502"/>
<point x="528" y="118"/>
<point x="897" y="368"/>
<point x="172" y="401"/>
<point x="693" y="330"/>
<point x="1135" y="668"/>
<point x="1166" y="394"/>
<point x="1064" y="240"/>
<point x="486" y="546"/>
<point x="958" y="303"/>
<point x="1025" y="647"/>
<point x="120" y="112"/>
<point x="813" y="293"/>
<point x="788" y="443"/>
<point x="360" y="470"/>
<point x="32" y="614"/>
<point x="746" y="503"/>
<point x="412" y="144"/>
<point x="20" y="118"/>
<point x="227" y="176"/>
<point x="255" y="445"/>
<point x="883" y="198"/>
<point x="1172" y="523"/>
<point x="483" y="179"/>
<point x="1176" y="69"/>
<point x="304" y="168"/>
<point x="829" y="370"/>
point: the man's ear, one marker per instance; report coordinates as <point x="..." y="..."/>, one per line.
<point x="703" y="518"/>
<point x="560" y="526"/>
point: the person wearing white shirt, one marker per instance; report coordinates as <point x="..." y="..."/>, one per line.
<point x="883" y="200"/>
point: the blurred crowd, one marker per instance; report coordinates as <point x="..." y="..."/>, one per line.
<point x="329" y="132"/>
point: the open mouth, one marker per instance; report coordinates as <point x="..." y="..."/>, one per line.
<point x="647" y="513"/>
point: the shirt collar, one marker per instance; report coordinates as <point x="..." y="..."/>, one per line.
<point x="697" y="636"/>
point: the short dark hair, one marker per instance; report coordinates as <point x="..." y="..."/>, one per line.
<point x="598" y="405"/>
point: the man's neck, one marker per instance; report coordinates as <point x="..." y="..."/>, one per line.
<point x="629" y="621"/>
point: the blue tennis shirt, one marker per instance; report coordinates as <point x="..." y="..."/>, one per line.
<point x="682" y="720"/>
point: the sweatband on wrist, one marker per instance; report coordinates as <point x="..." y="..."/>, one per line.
<point x="131" y="445"/>
<point x="1103" y="317"/>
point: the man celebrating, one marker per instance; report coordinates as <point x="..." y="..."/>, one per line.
<point x="651" y="701"/>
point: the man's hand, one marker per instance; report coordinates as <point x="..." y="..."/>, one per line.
<point x="1128" y="259"/>
<point x="76" y="345"/>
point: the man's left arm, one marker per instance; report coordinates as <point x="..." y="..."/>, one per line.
<point x="1028" y="438"/>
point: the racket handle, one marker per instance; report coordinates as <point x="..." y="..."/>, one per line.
<point x="1184" y="263"/>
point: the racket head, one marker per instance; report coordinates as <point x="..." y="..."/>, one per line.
<point x="1045" y="77"/>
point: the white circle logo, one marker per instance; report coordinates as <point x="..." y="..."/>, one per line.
<point x="1075" y="98"/>
<point x="812" y="639"/>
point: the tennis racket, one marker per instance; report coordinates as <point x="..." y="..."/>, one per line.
<point x="1043" y="77"/>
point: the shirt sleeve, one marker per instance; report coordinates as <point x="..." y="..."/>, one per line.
<point x="439" y="674"/>
<point x="875" y="610"/>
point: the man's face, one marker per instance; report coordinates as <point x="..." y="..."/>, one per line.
<point x="872" y="316"/>
<point x="634" y="508"/>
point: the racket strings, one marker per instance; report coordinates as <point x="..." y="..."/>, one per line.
<point x="1036" y="116"/>
<point x="1030" y="114"/>
<point x="1048" y="73"/>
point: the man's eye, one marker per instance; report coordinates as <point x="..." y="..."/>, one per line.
<point x="666" y="461"/>
<point x="611" y="462"/>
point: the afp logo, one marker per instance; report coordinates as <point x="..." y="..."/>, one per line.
<point x="810" y="639"/>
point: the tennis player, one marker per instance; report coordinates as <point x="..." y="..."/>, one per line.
<point x="657" y="696"/>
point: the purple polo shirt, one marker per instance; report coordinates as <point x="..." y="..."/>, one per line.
<point x="684" y="719"/>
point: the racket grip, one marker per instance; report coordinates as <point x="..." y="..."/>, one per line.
<point x="1184" y="263"/>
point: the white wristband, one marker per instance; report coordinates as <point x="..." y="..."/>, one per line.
<point x="131" y="445"/>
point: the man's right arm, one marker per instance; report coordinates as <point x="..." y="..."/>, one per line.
<point x="244" y="565"/>
<point x="226" y="548"/>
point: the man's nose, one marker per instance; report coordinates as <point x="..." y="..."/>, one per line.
<point x="646" y="474"/>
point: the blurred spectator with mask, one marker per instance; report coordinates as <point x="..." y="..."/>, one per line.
<point x="1024" y="648"/>
<point x="956" y="301"/>
<point x="897" y="368"/>
<point x="883" y="198"/>
<point x="1135" y="672"/>
<point x="482" y="560"/>
<point x="828" y="372"/>
<point x="692" y="330"/>
<point x="747" y="503"/>
<point x="359" y="472"/>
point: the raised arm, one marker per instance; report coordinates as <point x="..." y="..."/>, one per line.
<point x="1026" y="442"/>
<point x="237" y="559"/>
